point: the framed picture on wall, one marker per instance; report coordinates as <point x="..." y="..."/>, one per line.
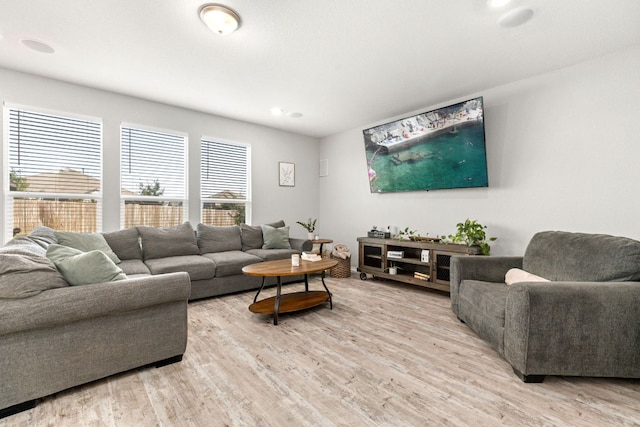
<point x="287" y="174"/>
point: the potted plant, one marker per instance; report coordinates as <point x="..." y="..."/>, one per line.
<point x="393" y="268"/>
<point x="407" y="234"/>
<point x="310" y="226"/>
<point x="471" y="233"/>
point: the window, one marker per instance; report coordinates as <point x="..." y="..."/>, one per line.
<point x="55" y="171"/>
<point x="153" y="177"/>
<point x="224" y="183"/>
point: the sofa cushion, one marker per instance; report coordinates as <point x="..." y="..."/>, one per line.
<point x="161" y="242"/>
<point x="231" y="262"/>
<point x="252" y="235"/>
<point x="125" y="243"/>
<point x="218" y="239"/>
<point x="134" y="267"/>
<point x="275" y="238"/>
<point x="198" y="267"/>
<point x="482" y="307"/>
<point x="86" y="242"/>
<point x="272" y="254"/>
<point x="487" y="297"/>
<point x="564" y="256"/>
<point x="84" y="268"/>
<point x="25" y="271"/>
<point x="516" y="275"/>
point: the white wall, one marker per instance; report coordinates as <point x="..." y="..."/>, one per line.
<point x="563" y="154"/>
<point x="268" y="146"/>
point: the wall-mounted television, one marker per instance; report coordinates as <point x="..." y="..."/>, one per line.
<point x="439" y="149"/>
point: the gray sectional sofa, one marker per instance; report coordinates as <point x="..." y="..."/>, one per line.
<point x="213" y="256"/>
<point x="572" y="307"/>
<point x="54" y="335"/>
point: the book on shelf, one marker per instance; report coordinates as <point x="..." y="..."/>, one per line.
<point x="421" y="276"/>
<point x="395" y="254"/>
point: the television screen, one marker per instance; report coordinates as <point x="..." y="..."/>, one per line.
<point x="443" y="148"/>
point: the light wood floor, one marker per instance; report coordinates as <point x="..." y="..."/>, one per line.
<point x="386" y="355"/>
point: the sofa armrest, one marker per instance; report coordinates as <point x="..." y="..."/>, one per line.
<point x="482" y="268"/>
<point x="301" y="245"/>
<point x="573" y="328"/>
<point x="73" y="303"/>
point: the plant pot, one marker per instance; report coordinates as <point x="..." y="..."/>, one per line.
<point x="310" y="236"/>
<point x="393" y="270"/>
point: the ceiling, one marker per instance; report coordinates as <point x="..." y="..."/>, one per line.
<point x="342" y="64"/>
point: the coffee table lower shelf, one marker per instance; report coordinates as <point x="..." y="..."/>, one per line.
<point x="291" y="302"/>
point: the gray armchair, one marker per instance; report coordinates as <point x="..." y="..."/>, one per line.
<point x="583" y="321"/>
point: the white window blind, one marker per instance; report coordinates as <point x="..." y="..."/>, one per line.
<point x="55" y="171"/>
<point x="153" y="177"/>
<point x="224" y="182"/>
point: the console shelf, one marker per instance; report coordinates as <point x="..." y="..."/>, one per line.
<point x="421" y="263"/>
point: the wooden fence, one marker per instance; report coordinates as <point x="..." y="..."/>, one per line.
<point x="80" y="215"/>
<point x="67" y="215"/>
<point x="152" y="215"/>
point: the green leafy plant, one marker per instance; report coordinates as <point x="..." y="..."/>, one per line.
<point x="310" y="225"/>
<point x="17" y="181"/>
<point x="471" y="233"/>
<point x="238" y="213"/>
<point x="151" y="190"/>
<point x="407" y="234"/>
<point x="392" y="265"/>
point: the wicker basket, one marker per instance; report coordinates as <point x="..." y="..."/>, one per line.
<point x="343" y="269"/>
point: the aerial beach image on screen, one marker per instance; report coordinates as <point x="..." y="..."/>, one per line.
<point x="439" y="149"/>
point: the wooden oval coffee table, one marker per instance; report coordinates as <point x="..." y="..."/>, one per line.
<point x="290" y="302"/>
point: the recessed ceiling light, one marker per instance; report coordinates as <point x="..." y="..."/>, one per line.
<point x="515" y="17"/>
<point x="37" y="45"/>
<point x="277" y="111"/>
<point x="220" y="19"/>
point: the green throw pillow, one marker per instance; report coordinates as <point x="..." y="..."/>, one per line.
<point x="84" y="268"/>
<point x="275" y="238"/>
<point x="86" y="242"/>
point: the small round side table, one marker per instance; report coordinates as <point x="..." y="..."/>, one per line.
<point x="321" y="242"/>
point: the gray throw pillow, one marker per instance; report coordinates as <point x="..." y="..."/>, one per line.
<point x="252" y="235"/>
<point x="24" y="273"/>
<point x="86" y="242"/>
<point x="84" y="268"/>
<point x="125" y="243"/>
<point x="275" y="238"/>
<point x="162" y="242"/>
<point x="218" y="239"/>
<point x="44" y="236"/>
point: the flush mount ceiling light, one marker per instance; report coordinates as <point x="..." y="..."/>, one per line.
<point x="37" y="45"/>
<point x="220" y="19"/>
<point x="277" y="111"/>
<point x="515" y="17"/>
